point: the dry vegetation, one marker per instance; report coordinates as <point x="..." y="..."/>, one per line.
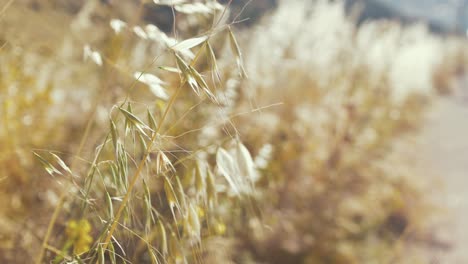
<point x="275" y="144"/>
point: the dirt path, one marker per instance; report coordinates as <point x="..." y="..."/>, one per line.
<point x="444" y="157"/>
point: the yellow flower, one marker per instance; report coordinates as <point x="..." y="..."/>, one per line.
<point x="78" y="234"/>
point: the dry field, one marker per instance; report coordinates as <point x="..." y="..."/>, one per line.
<point x="300" y="138"/>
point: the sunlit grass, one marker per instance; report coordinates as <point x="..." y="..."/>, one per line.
<point x="274" y="144"/>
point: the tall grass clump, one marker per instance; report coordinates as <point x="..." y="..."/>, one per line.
<point x="336" y="188"/>
<point x="151" y="191"/>
<point x="207" y="144"/>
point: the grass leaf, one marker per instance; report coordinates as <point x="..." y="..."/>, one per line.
<point x="189" y="43"/>
<point x="237" y="52"/>
<point x="61" y="163"/>
<point x="47" y="165"/>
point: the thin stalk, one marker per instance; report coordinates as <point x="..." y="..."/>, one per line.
<point x="5" y="7"/>
<point x="63" y="195"/>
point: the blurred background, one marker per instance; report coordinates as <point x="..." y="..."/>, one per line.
<point x="441" y="16"/>
<point x="309" y="131"/>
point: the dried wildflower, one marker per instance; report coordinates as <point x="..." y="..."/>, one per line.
<point x="187" y="74"/>
<point x="195" y="8"/>
<point x="153" y="32"/>
<point x="169" y="41"/>
<point x="264" y="156"/>
<point x="245" y="162"/>
<point x="227" y="166"/>
<point x="117" y="25"/>
<point x="154" y="83"/>
<point x="140" y="32"/>
<point x="88" y="53"/>
<point x="163" y="163"/>
<point x="134" y="121"/>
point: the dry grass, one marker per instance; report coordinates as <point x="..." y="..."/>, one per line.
<point x="159" y="150"/>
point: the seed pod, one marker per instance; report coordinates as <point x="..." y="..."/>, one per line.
<point x="114" y="134"/>
<point x="237" y="52"/>
<point x="170" y="194"/>
<point x="151" y="120"/>
<point x="199" y="178"/>
<point x="210" y="189"/>
<point x="212" y="60"/>
<point x="163" y="238"/>
<point x="110" y="206"/>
